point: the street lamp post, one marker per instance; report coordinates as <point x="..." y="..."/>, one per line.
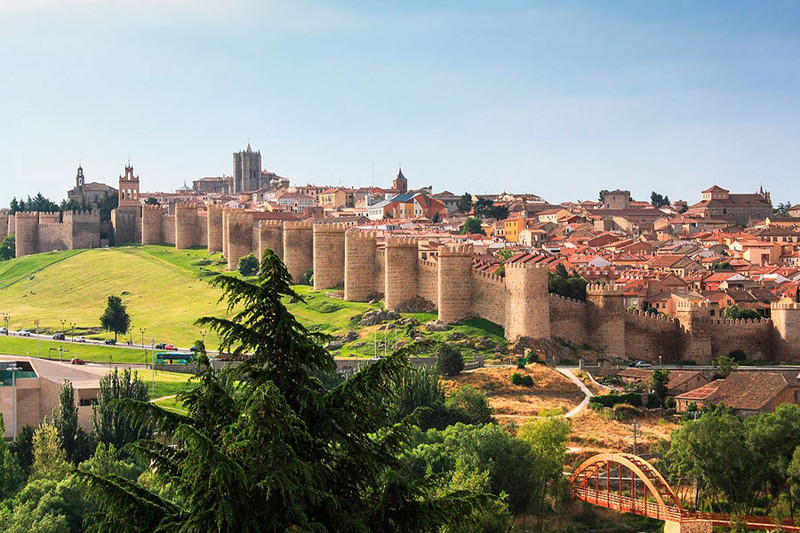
<point x="72" y="328"/>
<point x="6" y="316"/>
<point x="63" y="325"/>
<point x="142" y="330"/>
<point x="37" y="337"/>
<point x="14" y="369"/>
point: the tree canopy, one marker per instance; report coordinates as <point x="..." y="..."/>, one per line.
<point x="115" y="317"/>
<point x="266" y="446"/>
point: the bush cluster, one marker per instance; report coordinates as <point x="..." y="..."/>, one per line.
<point x="519" y="379"/>
<point x="610" y="400"/>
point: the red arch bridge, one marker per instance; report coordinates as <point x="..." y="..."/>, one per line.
<point x="627" y="483"/>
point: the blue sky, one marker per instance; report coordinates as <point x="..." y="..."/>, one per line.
<point x="560" y="99"/>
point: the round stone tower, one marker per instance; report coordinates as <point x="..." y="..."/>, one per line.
<point x="214" y="222"/>
<point x="607" y="317"/>
<point x="26" y="233"/>
<point x="360" y="248"/>
<point x="786" y="320"/>
<point x="298" y="248"/>
<point x="270" y="236"/>
<point x="454" y="281"/>
<point x="185" y="225"/>
<point x="240" y="236"/>
<point x="527" y="303"/>
<point x="151" y="224"/>
<point x="401" y="270"/>
<point x="329" y="255"/>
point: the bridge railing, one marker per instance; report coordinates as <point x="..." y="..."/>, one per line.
<point x="626" y="504"/>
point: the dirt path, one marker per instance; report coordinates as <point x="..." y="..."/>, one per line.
<point x="567" y="372"/>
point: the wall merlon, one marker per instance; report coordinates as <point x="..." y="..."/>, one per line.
<point x="457" y="250"/>
<point x="401" y="242"/>
<point x="300" y="224"/>
<point x="332" y="227"/>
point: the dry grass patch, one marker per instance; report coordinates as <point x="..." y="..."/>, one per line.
<point x="592" y="434"/>
<point x="550" y="391"/>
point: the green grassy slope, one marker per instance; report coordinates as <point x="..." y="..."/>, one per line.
<point x="165" y="291"/>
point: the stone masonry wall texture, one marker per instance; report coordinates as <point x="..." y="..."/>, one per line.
<point x="329" y="255"/>
<point x="298" y="248"/>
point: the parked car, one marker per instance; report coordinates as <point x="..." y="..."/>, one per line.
<point x="24" y="333"/>
<point x="77" y="361"/>
<point x="110" y="341"/>
<point x="194" y="349"/>
<point x="80" y="338"/>
<point x="171" y="347"/>
<point x="59" y="336"/>
<point x="3" y="331"/>
<point x="642" y="364"/>
<point x="161" y="345"/>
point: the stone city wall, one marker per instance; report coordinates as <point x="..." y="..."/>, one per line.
<point x="298" y="248"/>
<point x="328" y="255"/>
<point x="488" y="297"/>
<point x="568" y="319"/>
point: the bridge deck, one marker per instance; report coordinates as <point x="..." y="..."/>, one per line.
<point x="651" y="509"/>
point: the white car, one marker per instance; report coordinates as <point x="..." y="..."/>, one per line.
<point x="3" y="331"/>
<point x="24" y="333"/>
<point x="642" y="364"/>
<point x="80" y="339"/>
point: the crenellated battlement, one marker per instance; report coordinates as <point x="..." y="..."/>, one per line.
<point x="263" y="224"/>
<point x="491" y="277"/>
<point x="332" y="227"/>
<point x="28" y="215"/>
<point x="393" y="241"/>
<point x="787" y="306"/>
<point x="657" y="317"/>
<point x="519" y="265"/>
<point x="433" y="265"/>
<point x="298" y="225"/>
<point x="364" y="235"/>
<point x="456" y="250"/>
<point x="739" y="321"/>
<point x="187" y="206"/>
<point x="566" y="299"/>
<point x="605" y="289"/>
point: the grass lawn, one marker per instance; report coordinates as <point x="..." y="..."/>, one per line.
<point x="165" y="291"/>
<point x="88" y="352"/>
<point x="167" y="383"/>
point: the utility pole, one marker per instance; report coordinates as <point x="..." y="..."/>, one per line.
<point x="14" y="369"/>
<point x="37" y="337"/>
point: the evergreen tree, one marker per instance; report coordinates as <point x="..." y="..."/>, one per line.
<point x="465" y="203"/>
<point x="115" y="318"/>
<point x="267" y="447"/>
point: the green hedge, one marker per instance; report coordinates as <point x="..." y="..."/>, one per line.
<point x="610" y="400"/>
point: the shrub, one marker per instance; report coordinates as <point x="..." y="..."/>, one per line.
<point x="521" y="362"/>
<point x="610" y="400"/>
<point x="449" y="361"/>
<point x="527" y="381"/>
<point x="516" y="378"/>
<point x="472" y="403"/>
<point x="308" y="277"/>
<point x="248" y="265"/>
<point x="625" y="411"/>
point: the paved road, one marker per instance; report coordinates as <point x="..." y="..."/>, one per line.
<point x="68" y="339"/>
<point x="567" y="371"/>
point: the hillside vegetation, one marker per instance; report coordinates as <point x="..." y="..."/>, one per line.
<point x="166" y="290"/>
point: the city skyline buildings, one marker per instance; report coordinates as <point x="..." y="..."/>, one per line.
<point x="558" y="101"/>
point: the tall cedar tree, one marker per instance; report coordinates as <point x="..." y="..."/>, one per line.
<point x="266" y="446"/>
<point x="115" y="318"/>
